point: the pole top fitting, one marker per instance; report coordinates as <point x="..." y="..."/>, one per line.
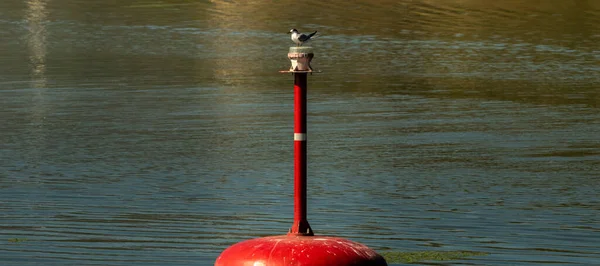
<point x="301" y="49"/>
<point x="300" y="57"/>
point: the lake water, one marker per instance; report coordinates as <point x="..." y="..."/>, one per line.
<point x="160" y="133"/>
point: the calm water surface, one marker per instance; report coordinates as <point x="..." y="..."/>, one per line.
<point x="159" y="132"/>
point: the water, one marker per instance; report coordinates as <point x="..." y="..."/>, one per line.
<point x="159" y="132"/>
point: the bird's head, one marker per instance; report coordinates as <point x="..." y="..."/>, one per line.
<point x="293" y="31"/>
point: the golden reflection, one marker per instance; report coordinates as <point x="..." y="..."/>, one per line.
<point x="36" y="17"/>
<point x="233" y="48"/>
<point x="238" y="56"/>
<point x="227" y="68"/>
<point x="36" y="39"/>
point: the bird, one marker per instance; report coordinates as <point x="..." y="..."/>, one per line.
<point x="300" y="38"/>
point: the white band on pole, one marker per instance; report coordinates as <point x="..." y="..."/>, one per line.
<point x="300" y="136"/>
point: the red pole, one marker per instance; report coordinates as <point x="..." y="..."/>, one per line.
<point x="300" y="226"/>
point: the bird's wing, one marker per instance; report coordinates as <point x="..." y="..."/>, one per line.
<point x="303" y="37"/>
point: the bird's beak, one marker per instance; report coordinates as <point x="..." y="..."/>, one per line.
<point x="289" y="32"/>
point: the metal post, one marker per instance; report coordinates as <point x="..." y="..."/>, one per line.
<point x="301" y="225"/>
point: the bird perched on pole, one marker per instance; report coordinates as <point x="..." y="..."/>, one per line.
<point x="300" y="38"/>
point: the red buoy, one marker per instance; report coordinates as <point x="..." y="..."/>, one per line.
<point x="300" y="246"/>
<point x="299" y="250"/>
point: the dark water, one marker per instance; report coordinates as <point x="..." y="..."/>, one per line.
<point x="160" y="133"/>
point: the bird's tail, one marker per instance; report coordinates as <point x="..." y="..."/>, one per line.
<point x="312" y="34"/>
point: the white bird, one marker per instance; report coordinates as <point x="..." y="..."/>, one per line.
<point x="300" y="38"/>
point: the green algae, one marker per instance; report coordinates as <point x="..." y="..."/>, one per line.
<point x="419" y="256"/>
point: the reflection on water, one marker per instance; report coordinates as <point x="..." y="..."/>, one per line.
<point x="155" y="132"/>
<point x="36" y="17"/>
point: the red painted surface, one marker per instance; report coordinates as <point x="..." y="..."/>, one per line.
<point x="300" y="92"/>
<point x="300" y="225"/>
<point x="299" y="250"/>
